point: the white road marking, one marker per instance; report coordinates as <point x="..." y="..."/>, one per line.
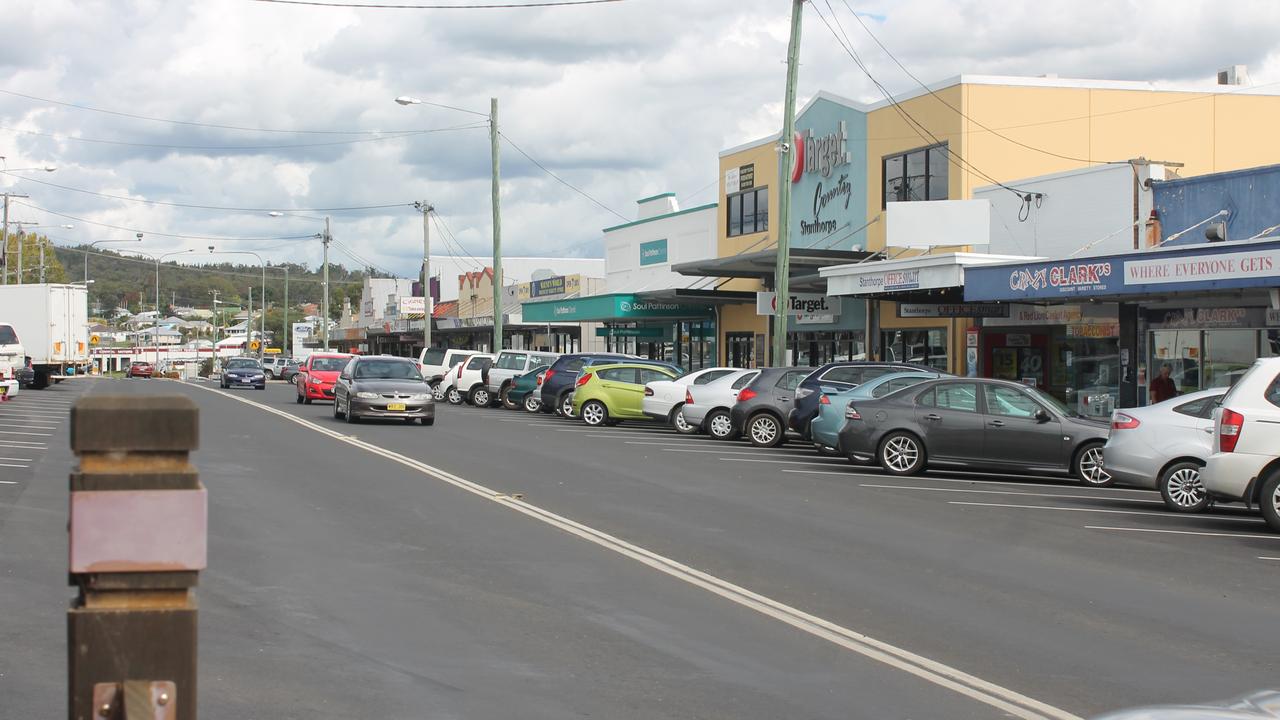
<point x="1182" y="532"/>
<point x="1264" y="557"/>
<point x="8" y="482"/>
<point x="1030" y="482"/>
<point x="17" y="459"/>
<point x="30" y="425"/>
<point x="14" y="432"/>
<point x="1168" y="515"/>
<point x="971" y="686"/>
<point x="746" y="450"/>
<point x="7" y="409"/>
<point x="1011" y="492"/>
<point x="10" y="465"/>
<point x="23" y="444"/>
<point x="785" y="462"/>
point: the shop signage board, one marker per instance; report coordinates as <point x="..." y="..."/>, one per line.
<point x="653" y="252"/>
<point x="828" y="180"/>
<point x="872" y="282"/>
<point x="1196" y="318"/>
<point x="1039" y="315"/>
<point x="609" y="307"/>
<point x="739" y="179"/>
<point x="547" y="286"/>
<point x="1094" y="330"/>
<point x="1223" y="266"/>
<point x="640" y="332"/>
<point x="413" y="307"/>
<point x="807" y="308"/>
<point x="948" y="310"/>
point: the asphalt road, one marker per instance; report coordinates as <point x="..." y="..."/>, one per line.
<point x="500" y="564"/>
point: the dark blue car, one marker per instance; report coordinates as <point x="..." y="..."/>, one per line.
<point x="243" y="372"/>
<point x="837" y="376"/>
<point x="557" y="385"/>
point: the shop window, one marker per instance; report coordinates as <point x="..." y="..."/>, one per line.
<point x="1180" y="350"/>
<point x="922" y="347"/>
<point x="1227" y="355"/>
<point x="748" y="212"/>
<point x="1010" y="402"/>
<point x="916" y="175"/>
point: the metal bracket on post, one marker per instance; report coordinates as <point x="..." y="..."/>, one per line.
<point x="138" y="541"/>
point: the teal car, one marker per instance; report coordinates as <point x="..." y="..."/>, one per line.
<point x="524" y="390"/>
<point x="825" y="428"/>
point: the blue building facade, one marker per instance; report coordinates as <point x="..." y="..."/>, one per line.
<point x="1250" y="197"/>
<point x="829" y="179"/>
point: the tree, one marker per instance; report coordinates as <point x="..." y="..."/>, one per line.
<point x="32" y="244"/>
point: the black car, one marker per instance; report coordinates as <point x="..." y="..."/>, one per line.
<point x="557" y="385"/>
<point x="289" y="372"/>
<point x="383" y="386"/>
<point x="25" y="376"/>
<point x="243" y="372"/>
<point x="838" y="376"/>
<point x="763" y="404"/>
<point x="972" y="422"/>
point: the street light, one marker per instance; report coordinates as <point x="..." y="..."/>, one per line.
<point x="497" y="212"/>
<point x="95" y="243"/>
<point x="324" y="300"/>
<point x="155" y="329"/>
<point x="248" y="321"/>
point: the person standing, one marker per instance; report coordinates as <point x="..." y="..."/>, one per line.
<point x="1162" y="387"/>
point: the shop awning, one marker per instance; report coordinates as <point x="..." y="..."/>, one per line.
<point x="762" y="264"/>
<point x="913" y="278"/>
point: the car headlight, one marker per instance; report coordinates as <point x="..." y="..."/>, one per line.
<point x="259" y="376"/>
<point x="419" y="397"/>
<point x="367" y="395"/>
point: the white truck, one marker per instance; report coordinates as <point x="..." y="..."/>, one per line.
<point x="52" y="324"/>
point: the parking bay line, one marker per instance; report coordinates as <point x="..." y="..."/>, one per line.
<point x="30" y="426"/>
<point x="744" y="451"/>
<point x="1010" y="492"/>
<point x="785" y="462"/>
<point x="1029" y="482"/>
<point x="1101" y="510"/>
<point x="1182" y="532"/>
<point x="8" y="482"/>
<point x="11" y="465"/>
<point x="15" y="432"/>
<point x="16" y="459"/>
<point x="1265" y="557"/>
<point x="932" y="671"/>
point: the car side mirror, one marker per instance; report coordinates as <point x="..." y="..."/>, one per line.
<point x="1042" y="416"/>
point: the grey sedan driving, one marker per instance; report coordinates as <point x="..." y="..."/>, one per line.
<point x="383" y="386"/>
<point x="978" y="423"/>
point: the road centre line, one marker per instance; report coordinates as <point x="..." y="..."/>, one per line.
<point x="1182" y="532"/>
<point x="1010" y="492"/>
<point x="1101" y="510"/>
<point x="922" y="667"/>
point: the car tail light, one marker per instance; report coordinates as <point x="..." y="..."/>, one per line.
<point x="546" y="376"/>
<point x="648" y="391"/>
<point x="746" y="394"/>
<point x="459" y="371"/>
<point x="851" y="413"/>
<point x="584" y="379"/>
<point x="1232" y="424"/>
<point x="824" y="400"/>
<point x="688" y="397"/>
<point x="1121" y="421"/>
<point x="540" y="377"/>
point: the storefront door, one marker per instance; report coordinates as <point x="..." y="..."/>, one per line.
<point x="740" y="349"/>
<point x="925" y="347"/>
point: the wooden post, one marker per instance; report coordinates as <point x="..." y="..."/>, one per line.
<point x="138" y="539"/>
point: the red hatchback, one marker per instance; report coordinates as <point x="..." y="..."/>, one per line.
<point x="140" y="369"/>
<point x="316" y="376"/>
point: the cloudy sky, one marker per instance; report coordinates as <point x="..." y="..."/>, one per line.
<point x="621" y="100"/>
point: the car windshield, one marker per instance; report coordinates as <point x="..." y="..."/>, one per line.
<point x="1054" y="403"/>
<point x="8" y="336"/>
<point x="242" y="364"/>
<point x="387" y="370"/>
<point x="329" y="364"/>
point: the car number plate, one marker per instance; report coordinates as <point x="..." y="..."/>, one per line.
<point x="395" y="406"/>
<point x="244" y="380"/>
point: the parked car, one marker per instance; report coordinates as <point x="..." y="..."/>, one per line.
<point x="972" y="422"/>
<point x="26" y="376"/>
<point x="663" y="398"/>
<point x="470" y="385"/>
<point x="608" y="393"/>
<point x="290" y="370"/>
<point x="435" y="363"/>
<point x="709" y="407"/>
<point x="1262" y="705"/>
<point x="1245" y="464"/>
<point x="141" y="368"/>
<point x="242" y="371"/>
<point x="761" y="410"/>
<point x="524" y="390"/>
<point x="834" y="377"/>
<point x="824" y="430"/>
<point x="317" y="375"/>
<point x="557" y="384"/>
<point x="508" y="366"/>
<point x="1164" y="446"/>
<point x="273" y="365"/>
<point x="383" y="386"/>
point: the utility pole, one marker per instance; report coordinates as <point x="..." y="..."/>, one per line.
<point x="287" y="329"/>
<point x="497" y="229"/>
<point x="248" y="324"/>
<point x="426" y="209"/>
<point x="324" y="302"/>
<point x="782" y="272"/>
<point x="41" y="244"/>
<point x="4" y="240"/>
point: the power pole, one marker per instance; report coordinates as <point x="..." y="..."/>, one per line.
<point x="426" y="209"/>
<point x="324" y="302"/>
<point x="287" y="329"/>
<point x="248" y="324"/>
<point x="782" y="272"/>
<point x="4" y="240"/>
<point x="497" y="229"/>
<point x="42" y="260"/>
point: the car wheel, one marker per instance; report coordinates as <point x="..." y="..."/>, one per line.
<point x="504" y="397"/>
<point x="566" y="405"/>
<point x="337" y="413"/>
<point x="409" y="421"/>
<point x="1182" y="490"/>
<point x="720" y="425"/>
<point x="1269" y="500"/>
<point x="307" y="400"/>
<point x="594" y="413"/>
<point x="532" y="403"/>
<point x="480" y="397"/>
<point x="436" y="391"/>
<point x="351" y="417"/>
<point x="681" y="425"/>
<point x="765" y="431"/>
<point x="270" y="375"/>
<point x="901" y="453"/>
<point x="1088" y="466"/>
<point x="428" y="421"/>
<point x="454" y="396"/>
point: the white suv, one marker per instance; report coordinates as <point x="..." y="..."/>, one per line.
<point x="469" y="386"/>
<point x="1245" y="464"/>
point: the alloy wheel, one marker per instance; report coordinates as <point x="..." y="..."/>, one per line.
<point x="1090" y="466"/>
<point x="901" y="454"/>
<point x="681" y="424"/>
<point x="532" y="403"/>
<point x="1275" y="500"/>
<point x="1184" y="487"/>
<point x="764" y="430"/>
<point x="480" y="398"/>
<point x="593" y="413"/>
<point x="455" y="397"/>
<point x="437" y="392"/>
<point x="566" y="405"/>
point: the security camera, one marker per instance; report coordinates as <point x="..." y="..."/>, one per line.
<point x="784" y="147"/>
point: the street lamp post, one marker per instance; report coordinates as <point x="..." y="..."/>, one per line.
<point x="248" y="322"/>
<point x="95" y="243"/>
<point x="155" y="329"/>
<point x="497" y="212"/>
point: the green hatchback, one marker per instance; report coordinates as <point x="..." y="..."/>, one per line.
<point x="608" y="394"/>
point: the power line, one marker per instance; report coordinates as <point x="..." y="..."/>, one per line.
<point x="562" y="181"/>
<point x="489" y="6"/>
<point x="161" y="234"/>
<point x="199" y="124"/>
<point x="23" y="178"/>
<point x="165" y="146"/>
<point x="454" y="247"/>
<point x="192" y="268"/>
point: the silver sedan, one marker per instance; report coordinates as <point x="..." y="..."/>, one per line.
<point x="1164" y="446"/>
